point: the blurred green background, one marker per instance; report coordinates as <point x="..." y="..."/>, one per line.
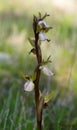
<point x="17" y="108"/>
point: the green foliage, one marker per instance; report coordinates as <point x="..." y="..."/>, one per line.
<point x="16" y="114"/>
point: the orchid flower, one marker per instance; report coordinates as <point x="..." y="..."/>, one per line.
<point x="29" y="86"/>
<point x="46" y="71"/>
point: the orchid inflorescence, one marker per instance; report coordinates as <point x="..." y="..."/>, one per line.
<point x="40" y="28"/>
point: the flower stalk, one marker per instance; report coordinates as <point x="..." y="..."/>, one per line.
<point x="36" y="82"/>
<point x="39" y="28"/>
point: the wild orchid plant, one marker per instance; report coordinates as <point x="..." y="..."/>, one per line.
<point x="40" y="27"/>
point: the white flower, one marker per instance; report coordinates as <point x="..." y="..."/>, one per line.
<point x="29" y="86"/>
<point x="42" y="36"/>
<point x="43" y="24"/>
<point x="46" y="71"/>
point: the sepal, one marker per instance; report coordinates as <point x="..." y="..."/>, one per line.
<point x="25" y="76"/>
<point x="41" y="18"/>
<point x="45" y="62"/>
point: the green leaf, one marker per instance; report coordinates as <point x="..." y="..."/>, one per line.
<point x="48" y="59"/>
<point x="48" y="97"/>
<point x="39" y="15"/>
<point x="74" y="121"/>
<point x="33" y="77"/>
<point x="45" y="62"/>
<point x="29" y="125"/>
<point x="25" y="77"/>
<point x="47" y="29"/>
<point x="40" y="94"/>
<point x="33" y="50"/>
<point x="46" y="15"/>
<point x="32" y="41"/>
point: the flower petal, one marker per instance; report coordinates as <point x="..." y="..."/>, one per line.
<point x="46" y="71"/>
<point x="29" y="86"/>
<point x="42" y="36"/>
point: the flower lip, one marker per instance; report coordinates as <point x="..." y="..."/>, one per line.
<point x="42" y="36"/>
<point x="46" y="71"/>
<point x="29" y="86"/>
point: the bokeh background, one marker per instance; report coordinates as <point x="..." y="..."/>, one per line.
<point x="17" y="108"/>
